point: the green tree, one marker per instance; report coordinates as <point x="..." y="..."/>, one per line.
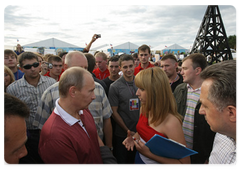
<point x="232" y="41"/>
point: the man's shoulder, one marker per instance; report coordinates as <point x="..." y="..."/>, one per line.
<point x="181" y="86"/>
<point x="47" y="79"/>
<point x="16" y="83"/>
<point x="117" y="82"/>
<point x="53" y="87"/>
<point x="96" y="70"/>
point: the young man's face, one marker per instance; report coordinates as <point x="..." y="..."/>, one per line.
<point x="144" y="56"/>
<point x="57" y="68"/>
<point x="10" y="60"/>
<point x="127" y="67"/>
<point x="188" y="72"/>
<point x="33" y="71"/>
<point x="113" y="67"/>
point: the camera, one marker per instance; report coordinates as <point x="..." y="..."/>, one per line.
<point x="50" y="66"/>
<point x="98" y="35"/>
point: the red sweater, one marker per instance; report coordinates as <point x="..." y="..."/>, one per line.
<point x="101" y="75"/>
<point x="60" y="143"/>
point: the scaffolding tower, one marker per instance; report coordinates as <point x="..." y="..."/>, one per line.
<point x="211" y="39"/>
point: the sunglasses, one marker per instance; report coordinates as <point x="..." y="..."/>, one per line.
<point x="28" y="66"/>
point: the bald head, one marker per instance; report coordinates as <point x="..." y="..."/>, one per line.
<point x="75" y="59"/>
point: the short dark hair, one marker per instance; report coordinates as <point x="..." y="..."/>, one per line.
<point x="125" y="57"/>
<point x="169" y="56"/>
<point x="135" y="55"/>
<point x="27" y="56"/>
<point x="54" y="58"/>
<point x="12" y="106"/>
<point x="91" y="61"/>
<point x="222" y="92"/>
<point x="198" y="60"/>
<point x="62" y="54"/>
<point x="113" y="58"/>
<point x="8" y="52"/>
<point x="144" y="47"/>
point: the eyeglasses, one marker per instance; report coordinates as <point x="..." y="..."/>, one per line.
<point x="28" y="66"/>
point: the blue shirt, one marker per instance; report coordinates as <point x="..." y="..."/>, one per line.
<point x="18" y="74"/>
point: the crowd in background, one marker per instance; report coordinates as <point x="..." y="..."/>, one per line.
<point x="76" y="107"/>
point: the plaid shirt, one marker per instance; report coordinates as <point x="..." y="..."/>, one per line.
<point x="30" y="95"/>
<point x="99" y="107"/>
<point x="224" y="150"/>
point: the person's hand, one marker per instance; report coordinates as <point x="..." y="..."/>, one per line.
<point x="44" y="68"/>
<point x="142" y="148"/>
<point x="94" y="38"/>
<point x="129" y="142"/>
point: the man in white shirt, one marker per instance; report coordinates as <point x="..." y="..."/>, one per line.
<point x="218" y="98"/>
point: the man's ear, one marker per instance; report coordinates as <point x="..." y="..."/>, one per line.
<point x="232" y="113"/>
<point x="198" y="70"/>
<point x="176" y="65"/>
<point x="72" y="91"/>
<point x="65" y="66"/>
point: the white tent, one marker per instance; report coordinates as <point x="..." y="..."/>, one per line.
<point x="127" y="45"/>
<point x="175" y="48"/>
<point x="52" y="42"/>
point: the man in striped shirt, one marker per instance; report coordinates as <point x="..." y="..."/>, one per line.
<point x="29" y="89"/>
<point x="197" y="132"/>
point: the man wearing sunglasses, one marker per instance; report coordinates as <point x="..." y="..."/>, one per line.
<point x="29" y="89"/>
<point x="144" y="54"/>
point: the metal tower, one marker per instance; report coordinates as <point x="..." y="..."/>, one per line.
<point x="212" y="38"/>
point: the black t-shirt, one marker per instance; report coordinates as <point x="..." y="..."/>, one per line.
<point x="108" y="82"/>
<point x="176" y="83"/>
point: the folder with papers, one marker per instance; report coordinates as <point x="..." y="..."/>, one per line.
<point x="168" y="148"/>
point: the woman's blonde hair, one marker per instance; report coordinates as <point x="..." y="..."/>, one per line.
<point x="6" y="69"/>
<point x="160" y="101"/>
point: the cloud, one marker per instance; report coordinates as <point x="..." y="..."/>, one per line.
<point x="150" y="24"/>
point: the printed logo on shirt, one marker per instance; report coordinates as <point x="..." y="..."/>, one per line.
<point x="133" y="104"/>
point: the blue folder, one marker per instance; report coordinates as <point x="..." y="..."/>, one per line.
<point x="168" y="148"/>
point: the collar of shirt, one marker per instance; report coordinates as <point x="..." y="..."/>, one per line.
<point x="70" y="120"/>
<point x="192" y="90"/>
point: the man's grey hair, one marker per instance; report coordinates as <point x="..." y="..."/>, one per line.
<point x="222" y="92"/>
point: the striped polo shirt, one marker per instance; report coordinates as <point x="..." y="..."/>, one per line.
<point x="188" y="122"/>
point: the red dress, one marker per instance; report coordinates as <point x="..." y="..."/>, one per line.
<point x="146" y="133"/>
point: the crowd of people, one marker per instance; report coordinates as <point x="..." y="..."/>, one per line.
<point x="79" y="108"/>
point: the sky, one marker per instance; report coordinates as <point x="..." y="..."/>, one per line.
<point x="152" y="24"/>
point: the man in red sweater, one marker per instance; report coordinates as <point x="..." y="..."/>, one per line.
<point x="102" y="71"/>
<point x="143" y="54"/>
<point x="70" y="135"/>
<point x="55" y="70"/>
